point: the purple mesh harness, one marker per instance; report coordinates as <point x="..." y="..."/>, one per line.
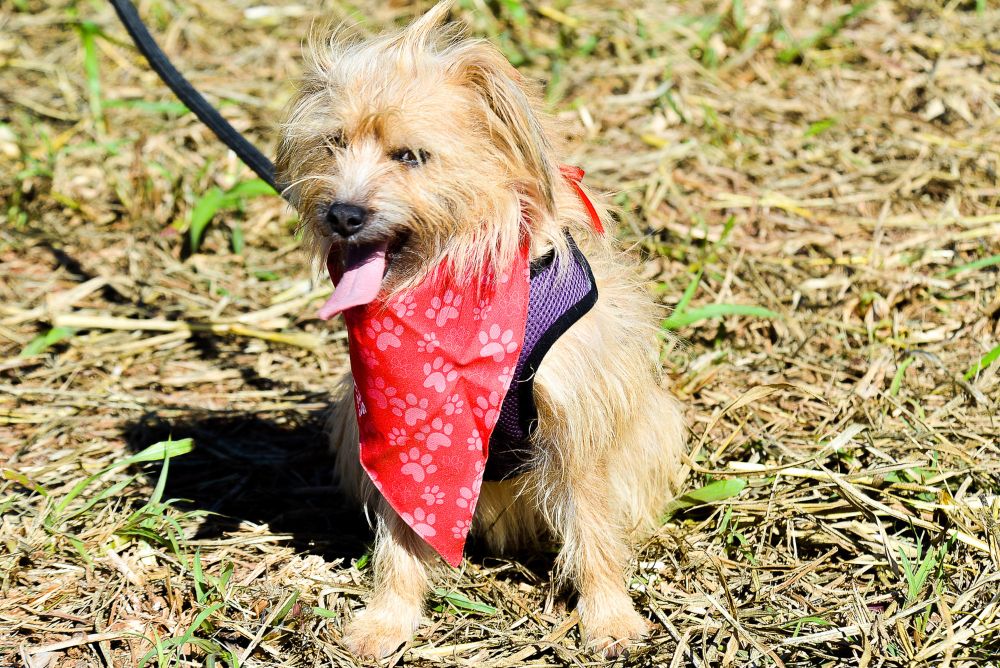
<point x="555" y="302"/>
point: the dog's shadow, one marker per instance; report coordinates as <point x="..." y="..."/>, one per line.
<point x="277" y="471"/>
<point x="245" y="468"/>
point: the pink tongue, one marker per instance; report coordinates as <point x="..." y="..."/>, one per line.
<point x="361" y="280"/>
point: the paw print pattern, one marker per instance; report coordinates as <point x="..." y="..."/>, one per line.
<point x="475" y="442"/>
<point x="467" y="496"/>
<point x="433" y="496"/>
<point x="379" y="392"/>
<point x="369" y="358"/>
<point x="439" y="373"/>
<point x="482" y="312"/>
<point x="461" y="529"/>
<point x="421" y="522"/>
<point x="435" y="435"/>
<point x="429" y="343"/>
<point x="412" y="410"/>
<point x="506" y="374"/>
<point x="454" y="405"/>
<point x="385" y="332"/>
<point x="488" y="408"/>
<point x="398" y="438"/>
<point x="405" y="306"/>
<point x="444" y="308"/>
<point x="416" y="465"/>
<point x="497" y="343"/>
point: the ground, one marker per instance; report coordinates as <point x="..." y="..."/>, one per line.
<point x="811" y="187"/>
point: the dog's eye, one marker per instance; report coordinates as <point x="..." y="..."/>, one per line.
<point x="411" y="157"/>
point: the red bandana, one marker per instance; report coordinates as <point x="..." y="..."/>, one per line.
<point x="431" y="369"/>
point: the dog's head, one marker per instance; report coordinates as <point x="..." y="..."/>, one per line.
<point x="419" y="146"/>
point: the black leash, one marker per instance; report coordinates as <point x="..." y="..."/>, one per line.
<point x="194" y="101"/>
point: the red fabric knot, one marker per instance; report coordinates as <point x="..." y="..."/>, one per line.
<point x="575" y="175"/>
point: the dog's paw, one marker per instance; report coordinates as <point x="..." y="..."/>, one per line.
<point x="610" y="634"/>
<point x="375" y="634"/>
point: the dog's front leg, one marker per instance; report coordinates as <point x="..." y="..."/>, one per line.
<point x="400" y="561"/>
<point x="594" y="556"/>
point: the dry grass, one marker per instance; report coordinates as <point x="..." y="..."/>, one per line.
<point x="838" y="172"/>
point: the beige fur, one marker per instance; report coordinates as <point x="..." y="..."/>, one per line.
<point x="609" y="437"/>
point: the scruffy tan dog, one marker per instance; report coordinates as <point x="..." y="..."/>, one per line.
<point x="432" y="144"/>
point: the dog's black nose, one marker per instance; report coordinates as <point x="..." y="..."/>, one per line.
<point x="346" y="219"/>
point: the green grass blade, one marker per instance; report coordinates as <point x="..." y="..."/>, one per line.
<point x="222" y="582"/>
<point x="516" y="11"/>
<point x="266" y="275"/>
<point x="718" y="490"/>
<point x="158" y="451"/>
<point x="984" y="361"/>
<point x="159" y="649"/>
<point x="198" y="621"/>
<point x="324" y="612"/>
<point x="201" y="215"/>
<point x="77" y="489"/>
<point x="810" y="619"/>
<point x="828" y="31"/>
<point x="819" y="127"/>
<point x="111" y="491"/>
<point x="727" y="229"/>
<point x="81" y="549"/>
<point x="92" y="69"/>
<point x="198" y="578"/>
<point x="285" y="608"/>
<point x="975" y="264"/>
<point x="897" y="380"/>
<point x="249" y="188"/>
<point x="689" y="291"/>
<point x="739" y="13"/>
<point x="238" y="241"/>
<point x="155" y="452"/>
<point x="712" y="311"/>
<point x="214" y="200"/>
<point x="23" y="480"/>
<point x="45" y="341"/>
<point x="161" y="483"/>
<point x="463" y="602"/>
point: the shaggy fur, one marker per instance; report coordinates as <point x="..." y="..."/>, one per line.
<point x="609" y="437"/>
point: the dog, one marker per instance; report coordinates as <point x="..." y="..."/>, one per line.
<point x="430" y="146"/>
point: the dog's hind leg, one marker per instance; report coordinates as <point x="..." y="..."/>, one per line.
<point x="608" y="441"/>
<point x="594" y="556"/>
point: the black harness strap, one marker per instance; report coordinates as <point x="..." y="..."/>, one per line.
<point x="194" y="101"/>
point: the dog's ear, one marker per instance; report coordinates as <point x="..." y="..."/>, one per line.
<point x="512" y="118"/>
